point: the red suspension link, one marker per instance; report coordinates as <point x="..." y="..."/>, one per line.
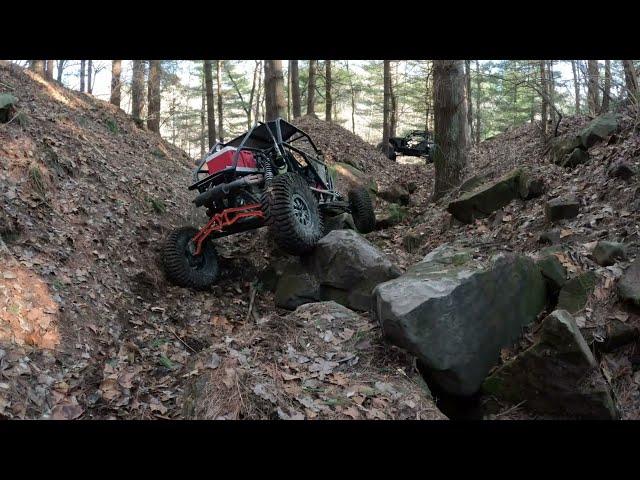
<point x="227" y="217"/>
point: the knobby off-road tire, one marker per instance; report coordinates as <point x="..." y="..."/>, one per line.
<point x="184" y="269"/>
<point x="362" y="210"/>
<point x="292" y="214"/>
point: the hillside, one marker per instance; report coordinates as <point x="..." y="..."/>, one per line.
<point x="89" y="327"/>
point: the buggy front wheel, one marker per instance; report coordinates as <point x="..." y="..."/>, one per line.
<point x="292" y="212"/>
<point x="185" y="269"/>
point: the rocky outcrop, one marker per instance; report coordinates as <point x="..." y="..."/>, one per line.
<point x="557" y="375"/>
<point x="455" y="313"/>
<point x="488" y="198"/>
<point x="343" y="267"/>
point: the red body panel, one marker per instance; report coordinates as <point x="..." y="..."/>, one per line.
<point x="224" y="158"/>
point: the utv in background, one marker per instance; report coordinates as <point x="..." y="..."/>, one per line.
<point x="417" y="143"/>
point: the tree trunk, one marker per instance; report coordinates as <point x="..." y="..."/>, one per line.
<point x="551" y="91"/>
<point x="593" y="91"/>
<point x="219" y="95"/>
<point x="295" y="89"/>
<point x="61" y="64"/>
<point x="607" y="87"/>
<point x="153" y="115"/>
<point x="203" y="122"/>
<point x="137" y="92"/>
<point x="38" y="66"/>
<point x="328" y="100"/>
<point x="545" y="102"/>
<point x="252" y="95"/>
<point x="82" y="76"/>
<point x="311" y="88"/>
<point x="467" y="72"/>
<point x="274" y="89"/>
<point x="89" y="76"/>
<point x="289" y="91"/>
<point x="386" y="109"/>
<point x="450" y="156"/>
<point x="576" y="86"/>
<point x="258" y="99"/>
<point x="116" y="71"/>
<point x="630" y="78"/>
<point x="211" y="113"/>
<point x="353" y="100"/>
<point x="49" y="71"/>
<point x="478" y="122"/>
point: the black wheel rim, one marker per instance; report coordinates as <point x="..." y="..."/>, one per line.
<point x="301" y="210"/>
<point x="196" y="262"/>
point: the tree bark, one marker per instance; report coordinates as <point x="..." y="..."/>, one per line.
<point x="353" y="100"/>
<point x="295" y="89"/>
<point x="386" y="109"/>
<point x="551" y="91"/>
<point x="61" y="64"/>
<point x="607" y="87"/>
<point x="38" y="66"/>
<point x="153" y="115"/>
<point x="478" y="122"/>
<point x="219" y="95"/>
<point x="211" y="113"/>
<point x="328" y="99"/>
<point x="274" y="89"/>
<point x="545" y="103"/>
<point x="467" y="71"/>
<point x="89" y="76"/>
<point x="137" y="92"/>
<point x="49" y="71"/>
<point x="450" y="156"/>
<point x="252" y="95"/>
<point x="116" y="71"/>
<point x="258" y="93"/>
<point x="576" y="86"/>
<point x="311" y="88"/>
<point x="593" y="91"/>
<point x="203" y="122"/>
<point x="630" y="78"/>
<point x="393" y="107"/>
<point x="82" y="64"/>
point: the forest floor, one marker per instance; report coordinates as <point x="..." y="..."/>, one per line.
<point x="89" y="327"/>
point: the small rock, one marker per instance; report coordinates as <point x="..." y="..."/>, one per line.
<point x="607" y="253"/>
<point x="575" y="292"/>
<point x="552" y="237"/>
<point x="629" y="284"/>
<point x="619" y="334"/>
<point x="552" y="270"/>
<point x="562" y="208"/>
<point x="620" y="169"/>
<point x="295" y="288"/>
<point x="575" y="158"/>
<point x="396" y="193"/>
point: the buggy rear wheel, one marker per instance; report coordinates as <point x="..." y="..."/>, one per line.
<point x="292" y="212"/>
<point x="362" y="210"/>
<point x="185" y="269"/>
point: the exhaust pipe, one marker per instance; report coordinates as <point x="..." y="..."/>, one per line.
<point x="224" y="189"/>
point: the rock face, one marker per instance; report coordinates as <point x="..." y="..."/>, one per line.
<point x="343" y="267"/>
<point x="599" y="129"/>
<point x="456" y="313"/>
<point x="629" y="284"/>
<point x="562" y="208"/>
<point x="348" y="267"/>
<point x="556" y="375"/>
<point x="607" y="253"/>
<point x="575" y="292"/>
<point x="484" y="200"/>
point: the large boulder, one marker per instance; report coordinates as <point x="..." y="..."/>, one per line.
<point x="455" y="313"/>
<point x="599" y="129"/>
<point x="557" y="375"/>
<point x="7" y="103"/>
<point x="563" y="146"/>
<point x="488" y="198"/>
<point x="348" y="267"/>
<point x="349" y="177"/>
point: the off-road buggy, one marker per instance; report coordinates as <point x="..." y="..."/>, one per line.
<point x="273" y="176"/>
<point x="417" y="143"/>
